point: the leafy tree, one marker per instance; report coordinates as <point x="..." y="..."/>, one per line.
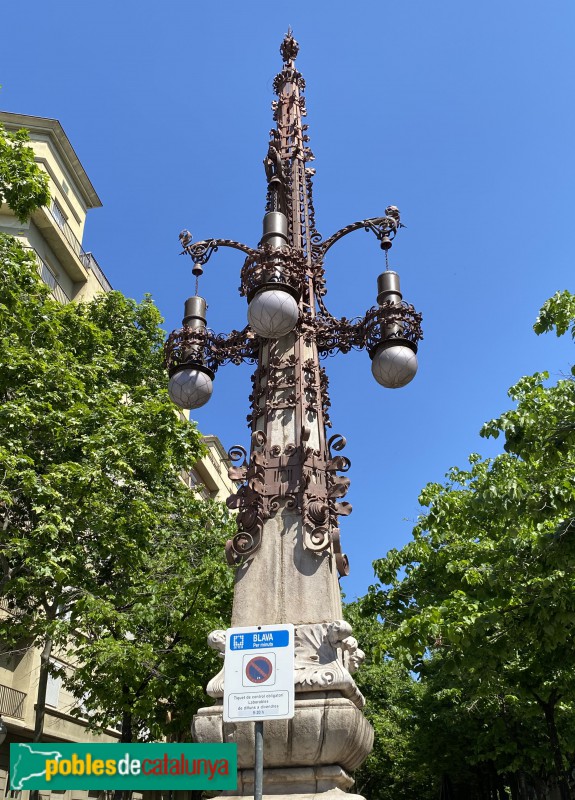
<point x="481" y="603"/>
<point x="143" y="656"/>
<point x="557" y="313"/>
<point x="101" y="540"/>
<point x="393" y="697"/>
<point x="23" y="185"/>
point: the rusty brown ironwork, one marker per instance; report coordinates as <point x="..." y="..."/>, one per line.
<point x="294" y="478"/>
<point x="201" y="252"/>
<point x="186" y="346"/>
<point x="282" y="266"/>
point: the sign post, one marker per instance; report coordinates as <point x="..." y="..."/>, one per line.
<point x="259" y="681"/>
<point x="259" y="760"/>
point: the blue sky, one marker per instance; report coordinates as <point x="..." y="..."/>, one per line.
<point x="460" y="113"/>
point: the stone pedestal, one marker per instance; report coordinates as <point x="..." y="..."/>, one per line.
<point x="328" y="737"/>
<point x="306" y="783"/>
<point x="327" y="730"/>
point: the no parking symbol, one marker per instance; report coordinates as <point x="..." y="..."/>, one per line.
<point x="259" y="670"/>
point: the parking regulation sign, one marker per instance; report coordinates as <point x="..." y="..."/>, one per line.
<point x="259" y="673"/>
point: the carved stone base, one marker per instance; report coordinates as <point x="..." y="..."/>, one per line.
<point x="326" y="656"/>
<point x="307" y="757"/>
<point x="308" y="783"/>
<point x="328" y="730"/>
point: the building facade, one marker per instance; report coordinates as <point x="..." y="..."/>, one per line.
<point x="210" y="474"/>
<point x="55" y="233"/>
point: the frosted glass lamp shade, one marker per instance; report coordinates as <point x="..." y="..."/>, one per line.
<point x="190" y="388"/>
<point x="394" y="366"/>
<point x="273" y="313"/>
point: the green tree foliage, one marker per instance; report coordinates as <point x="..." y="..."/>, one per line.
<point x="558" y="314"/>
<point x="144" y="659"/>
<point x="481" y="603"/>
<point x="23" y="185"/>
<point x="104" y="550"/>
<point x="394" y="768"/>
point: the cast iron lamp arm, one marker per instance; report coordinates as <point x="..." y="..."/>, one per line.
<point x="385" y="228"/>
<point x="201" y="252"/>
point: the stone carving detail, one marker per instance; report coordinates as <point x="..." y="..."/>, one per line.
<point x="326" y="654"/>
<point x="217" y="641"/>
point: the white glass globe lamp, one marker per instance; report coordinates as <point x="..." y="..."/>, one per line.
<point x="394" y="365"/>
<point x="273" y="313"/>
<point x="191" y="387"/>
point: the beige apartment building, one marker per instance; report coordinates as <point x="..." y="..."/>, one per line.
<point x="55" y="235"/>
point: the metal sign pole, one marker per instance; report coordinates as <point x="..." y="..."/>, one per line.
<point x="259" y="760"/>
<point x="259" y="682"/>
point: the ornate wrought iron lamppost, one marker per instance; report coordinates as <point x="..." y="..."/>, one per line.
<point x="288" y="544"/>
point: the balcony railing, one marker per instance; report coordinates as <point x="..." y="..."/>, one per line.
<point x="60" y="220"/>
<point x="12" y="702"/>
<point x="90" y="262"/>
<point x="5" y="605"/>
<point x="58" y="291"/>
<point x="87" y="259"/>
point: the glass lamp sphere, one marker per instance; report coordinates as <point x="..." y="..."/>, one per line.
<point x="273" y="313"/>
<point x="394" y="366"/>
<point x="190" y="388"/>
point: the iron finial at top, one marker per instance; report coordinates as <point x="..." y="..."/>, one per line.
<point x="289" y="48"/>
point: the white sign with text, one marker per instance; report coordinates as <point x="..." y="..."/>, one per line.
<point x="259" y="673"/>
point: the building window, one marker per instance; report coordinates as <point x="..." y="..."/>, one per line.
<point x="58" y="214"/>
<point x="53" y="691"/>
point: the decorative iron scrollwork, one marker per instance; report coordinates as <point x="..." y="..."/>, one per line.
<point x="305" y="476"/>
<point x="317" y="539"/>
<point x="341" y="560"/>
<point x="391" y="321"/>
<point x="385" y="228"/>
<point x="242" y="545"/>
<point x="201" y="252"/>
<point x="283" y="266"/>
<point x="210" y="349"/>
<point x="289" y="47"/>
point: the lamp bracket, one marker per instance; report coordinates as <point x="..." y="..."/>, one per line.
<point x="201" y="252"/>
<point x="382" y="227"/>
